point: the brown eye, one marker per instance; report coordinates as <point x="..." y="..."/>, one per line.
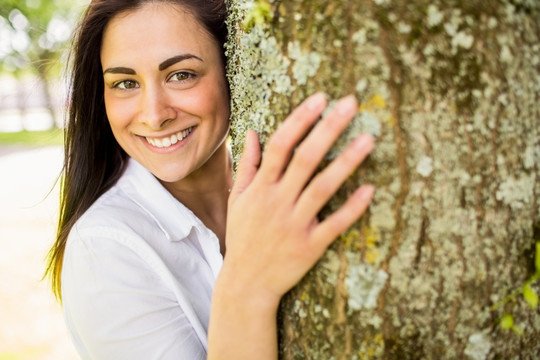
<point x="181" y="76"/>
<point x="126" y="85"/>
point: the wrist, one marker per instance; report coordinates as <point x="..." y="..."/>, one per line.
<point x="243" y="321"/>
<point x="239" y="290"/>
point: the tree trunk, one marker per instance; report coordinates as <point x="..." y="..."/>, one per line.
<point x="439" y="266"/>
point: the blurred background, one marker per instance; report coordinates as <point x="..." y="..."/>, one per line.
<point x="34" y="39"/>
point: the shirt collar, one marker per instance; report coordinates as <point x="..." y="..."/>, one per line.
<point x="173" y="218"/>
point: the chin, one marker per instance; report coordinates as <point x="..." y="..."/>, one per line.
<point x="169" y="174"/>
<point x="169" y="177"/>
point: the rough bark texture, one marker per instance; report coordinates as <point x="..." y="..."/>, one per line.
<point x="451" y="90"/>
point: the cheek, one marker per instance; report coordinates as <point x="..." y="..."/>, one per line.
<point x="210" y="100"/>
<point x="221" y="101"/>
<point x="220" y="109"/>
<point x="118" y="112"/>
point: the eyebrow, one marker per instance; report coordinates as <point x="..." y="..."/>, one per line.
<point x="177" y="59"/>
<point x="165" y="64"/>
<point x="119" y="70"/>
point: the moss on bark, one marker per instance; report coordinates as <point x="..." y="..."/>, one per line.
<point x="451" y="90"/>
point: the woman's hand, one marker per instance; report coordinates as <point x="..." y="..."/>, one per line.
<point x="273" y="235"/>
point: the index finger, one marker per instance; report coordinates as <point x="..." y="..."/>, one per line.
<point x="288" y="134"/>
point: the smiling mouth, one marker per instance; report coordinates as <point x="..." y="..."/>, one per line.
<point x="171" y="140"/>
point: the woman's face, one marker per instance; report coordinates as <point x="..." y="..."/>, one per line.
<point x="165" y="90"/>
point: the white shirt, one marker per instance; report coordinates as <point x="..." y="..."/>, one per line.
<point x="138" y="273"/>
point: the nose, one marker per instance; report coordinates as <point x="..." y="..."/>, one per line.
<point x="156" y="110"/>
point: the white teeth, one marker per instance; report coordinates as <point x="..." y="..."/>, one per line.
<point x="173" y="139"/>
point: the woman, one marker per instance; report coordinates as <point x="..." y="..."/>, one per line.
<point x="147" y="208"/>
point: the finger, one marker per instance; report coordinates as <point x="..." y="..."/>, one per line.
<point x="248" y="165"/>
<point x="325" y="184"/>
<point x="330" y="228"/>
<point x="291" y="131"/>
<point x="312" y="150"/>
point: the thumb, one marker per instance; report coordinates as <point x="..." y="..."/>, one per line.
<point x="247" y="166"/>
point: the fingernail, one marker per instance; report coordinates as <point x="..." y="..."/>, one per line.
<point x="364" y="141"/>
<point x="316" y="101"/>
<point x="367" y="191"/>
<point x="346" y="105"/>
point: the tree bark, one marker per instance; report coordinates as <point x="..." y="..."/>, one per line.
<point x="451" y="91"/>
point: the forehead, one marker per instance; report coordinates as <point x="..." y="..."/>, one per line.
<point x="155" y="31"/>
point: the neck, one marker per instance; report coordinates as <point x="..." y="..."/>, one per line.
<point x="206" y="192"/>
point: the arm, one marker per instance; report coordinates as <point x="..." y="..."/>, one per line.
<point x="273" y="235"/>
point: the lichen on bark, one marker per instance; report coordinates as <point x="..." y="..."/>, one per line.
<point x="451" y="90"/>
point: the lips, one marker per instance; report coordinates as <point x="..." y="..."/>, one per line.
<point x="170" y="140"/>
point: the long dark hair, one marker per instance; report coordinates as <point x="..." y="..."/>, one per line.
<point x="93" y="160"/>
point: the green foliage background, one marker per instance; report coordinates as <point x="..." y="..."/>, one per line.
<point x="39" y="14"/>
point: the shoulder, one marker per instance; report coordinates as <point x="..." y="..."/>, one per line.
<point x="135" y="222"/>
<point x="115" y="210"/>
<point x="137" y="204"/>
